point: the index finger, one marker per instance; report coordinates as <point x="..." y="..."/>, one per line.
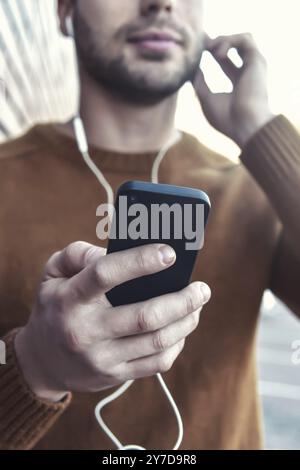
<point x="155" y="313"/>
<point x="244" y="43"/>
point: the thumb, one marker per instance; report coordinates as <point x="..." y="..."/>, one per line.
<point x="72" y="259"/>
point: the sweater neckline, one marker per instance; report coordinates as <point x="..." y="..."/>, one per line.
<point x="107" y="160"/>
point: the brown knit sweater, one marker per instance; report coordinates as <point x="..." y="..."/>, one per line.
<point x="48" y="200"/>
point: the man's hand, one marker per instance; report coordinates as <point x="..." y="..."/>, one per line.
<point x="76" y="341"/>
<point x="239" y="114"/>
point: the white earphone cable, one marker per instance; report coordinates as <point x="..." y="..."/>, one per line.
<point x="83" y="148"/>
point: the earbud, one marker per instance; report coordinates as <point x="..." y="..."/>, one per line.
<point x="69" y="26"/>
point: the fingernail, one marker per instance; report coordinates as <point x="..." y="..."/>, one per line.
<point x="167" y="254"/>
<point x="205" y="292"/>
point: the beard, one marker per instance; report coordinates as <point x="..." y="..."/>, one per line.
<point x="132" y="84"/>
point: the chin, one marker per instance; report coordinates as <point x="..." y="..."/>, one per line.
<point x="155" y="72"/>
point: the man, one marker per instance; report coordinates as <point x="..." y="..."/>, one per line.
<point x="133" y="60"/>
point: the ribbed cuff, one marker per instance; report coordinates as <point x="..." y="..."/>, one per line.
<point x="24" y="418"/>
<point x="272" y="156"/>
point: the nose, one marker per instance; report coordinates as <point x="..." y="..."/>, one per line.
<point x="155" y="6"/>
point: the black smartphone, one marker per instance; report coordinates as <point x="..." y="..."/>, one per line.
<point x="157" y="213"/>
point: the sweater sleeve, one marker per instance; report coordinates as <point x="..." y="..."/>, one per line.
<point x="272" y="156"/>
<point x="24" y="418"/>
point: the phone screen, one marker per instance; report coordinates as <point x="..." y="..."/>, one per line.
<point x="154" y="213"/>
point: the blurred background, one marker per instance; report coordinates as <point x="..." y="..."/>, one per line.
<point x="38" y="84"/>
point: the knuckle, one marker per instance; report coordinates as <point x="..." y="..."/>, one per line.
<point x="102" y="276"/>
<point x="190" y="302"/>
<point x="160" y="340"/>
<point x="71" y="249"/>
<point x="192" y="299"/>
<point x="92" y="251"/>
<point x="144" y="322"/>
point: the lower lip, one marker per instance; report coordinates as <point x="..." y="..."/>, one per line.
<point x="155" y="45"/>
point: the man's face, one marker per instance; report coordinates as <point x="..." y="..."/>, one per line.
<point x="143" y="50"/>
